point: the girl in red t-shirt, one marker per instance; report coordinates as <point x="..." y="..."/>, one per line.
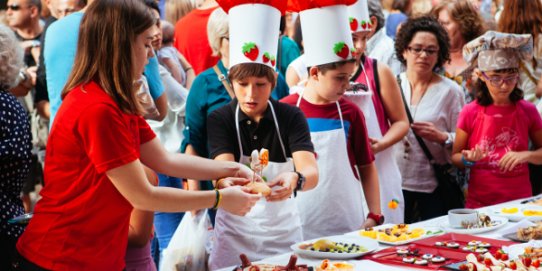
<point x="94" y="174"/>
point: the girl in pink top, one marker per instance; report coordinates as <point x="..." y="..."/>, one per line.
<point x="493" y="133"/>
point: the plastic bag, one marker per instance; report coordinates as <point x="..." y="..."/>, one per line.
<point x="186" y="250"/>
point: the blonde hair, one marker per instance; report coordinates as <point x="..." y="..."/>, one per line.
<point x="217" y="28"/>
<point x="11" y="58"/>
<point x="176" y="9"/>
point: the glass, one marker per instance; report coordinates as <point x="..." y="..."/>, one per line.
<point x="418" y="51"/>
<point x="14" y="7"/>
<point x="497" y="81"/>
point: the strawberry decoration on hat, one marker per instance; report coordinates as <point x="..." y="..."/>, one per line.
<point x="326" y="29"/>
<point x="254" y="30"/>
<point x="359" y="11"/>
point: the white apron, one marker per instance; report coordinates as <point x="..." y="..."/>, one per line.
<point x="335" y="205"/>
<point x="269" y="229"/>
<point x="389" y="175"/>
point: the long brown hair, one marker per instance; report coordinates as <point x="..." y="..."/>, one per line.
<point x="521" y="17"/>
<point x="104" y="50"/>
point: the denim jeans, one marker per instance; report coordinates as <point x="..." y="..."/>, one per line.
<point x="165" y="224"/>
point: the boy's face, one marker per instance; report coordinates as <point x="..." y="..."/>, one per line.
<point x="360" y="42"/>
<point x="332" y="84"/>
<point x="252" y="94"/>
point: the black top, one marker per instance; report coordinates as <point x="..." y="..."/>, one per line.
<point x="41" y="81"/>
<point x="222" y="135"/>
<point x="15" y="151"/>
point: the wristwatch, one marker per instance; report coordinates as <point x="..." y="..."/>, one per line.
<point x="379" y="219"/>
<point x="300" y="182"/>
<point x="449" y="141"/>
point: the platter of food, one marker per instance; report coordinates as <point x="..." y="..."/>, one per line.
<point x="526" y="234"/>
<point x="328" y="265"/>
<point x="438" y="251"/>
<point x="335" y="247"/>
<point x="485" y="223"/>
<point x="398" y="234"/>
<point x="247" y="265"/>
<point x="529" y="259"/>
<point x="519" y="212"/>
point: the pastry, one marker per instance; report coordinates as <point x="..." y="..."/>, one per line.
<point x="259" y="188"/>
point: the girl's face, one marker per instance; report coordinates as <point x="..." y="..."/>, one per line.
<point x="252" y="94"/>
<point x="360" y="42"/>
<point x="142" y="50"/>
<point x="157" y="40"/>
<point x="499" y="83"/>
<point x="332" y="84"/>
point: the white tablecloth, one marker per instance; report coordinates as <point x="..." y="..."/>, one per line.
<point x="370" y="265"/>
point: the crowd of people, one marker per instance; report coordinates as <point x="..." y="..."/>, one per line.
<point x="129" y="113"/>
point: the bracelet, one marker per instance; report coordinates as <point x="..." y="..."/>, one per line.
<point x="218" y="199"/>
<point x="467" y="163"/>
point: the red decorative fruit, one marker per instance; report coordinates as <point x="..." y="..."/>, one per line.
<point x="487" y="261"/>
<point x="527" y="261"/>
<point x="364" y="24"/>
<point x="480" y="258"/>
<point x="535" y="263"/>
<point x="353" y="24"/>
<point x="464" y="267"/>
<point x="341" y="50"/>
<point x="504" y="257"/>
<point x="273" y="61"/>
<point x="498" y="254"/>
<point x="250" y="50"/>
<point x="513" y="266"/>
<point x="266" y="57"/>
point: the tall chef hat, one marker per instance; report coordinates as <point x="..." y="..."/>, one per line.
<point x="497" y="51"/>
<point x="358" y="17"/>
<point x="254" y="30"/>
<point x="326" y="34"/>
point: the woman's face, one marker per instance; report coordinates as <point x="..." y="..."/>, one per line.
<point x="142" y="50"/>
<point x="500" y="84"/>
<point x="225" y="48"/>
<point x="157" y="40"/>
<point x="452" y="27"/>
<point x="360" y="42"/>
<point x="252" y="94"/>
<point x="421" y="55"/>
<point x="333" y="83"/>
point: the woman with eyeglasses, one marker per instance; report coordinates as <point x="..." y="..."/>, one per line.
<point x="433" y="102"/>
<point x="493" y="133"/>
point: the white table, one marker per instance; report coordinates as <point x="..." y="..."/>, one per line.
<point x="370" y="265"/>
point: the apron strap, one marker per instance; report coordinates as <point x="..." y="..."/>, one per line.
<point x="366" y="77"/>
<point x="224" y="80"/>
<point x="276" y="127"/>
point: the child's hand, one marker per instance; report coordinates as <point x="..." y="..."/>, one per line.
<point x="511" y="159"/>
<point x="287" y="182"/>
<point x="375" y="145"/>
<point x="475" y="154"/>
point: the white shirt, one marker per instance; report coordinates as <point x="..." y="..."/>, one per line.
<point x="440" y="105"/>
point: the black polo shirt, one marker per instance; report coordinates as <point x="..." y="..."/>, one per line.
<point x="294" y="130"/>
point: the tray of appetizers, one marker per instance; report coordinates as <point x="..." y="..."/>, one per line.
<point x="436" y="252"/>
<point x="335" y="247"/>
<point x="485" y="223"/>
<point x="247" y="265"/>
<point x="516" y="257"/>
<point x="398" y="234"/>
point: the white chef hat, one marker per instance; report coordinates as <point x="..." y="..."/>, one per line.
<point x="358" y="17"/>
<point x="326" y="34"/>
<point x="254" y="30"/>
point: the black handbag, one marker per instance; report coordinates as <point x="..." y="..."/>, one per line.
<point x="449" y="188"/>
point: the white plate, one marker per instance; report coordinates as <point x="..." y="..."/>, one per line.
<point x="433" y="232"/>
<point x="519" y="214"/>
<point x="500" y="221"/>
<point x="367" y="243"/>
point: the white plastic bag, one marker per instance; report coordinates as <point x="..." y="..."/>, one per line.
<point x="186" y="250"/>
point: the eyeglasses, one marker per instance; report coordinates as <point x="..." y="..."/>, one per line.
<point x="497" y="81"/>
<point x="14" y="7"/>
<point x="418" y="51"/>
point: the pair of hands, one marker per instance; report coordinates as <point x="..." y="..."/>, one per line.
<point x="507" y="163"/>
<point x="286" y="181"/>
<point x="429" y="131"/>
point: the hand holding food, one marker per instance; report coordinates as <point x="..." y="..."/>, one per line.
<point x="259" y="188"/>
<point x="237" y="201"/>
<point x="287" y="182"/>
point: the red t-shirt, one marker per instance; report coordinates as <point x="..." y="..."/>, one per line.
<point x="191" y="40"/>
<point x="81" y="222"/>
<point x="326" y="117"/>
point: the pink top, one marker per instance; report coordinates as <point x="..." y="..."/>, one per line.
<point x="498" y="130"/>
<point x="370" y="66"/>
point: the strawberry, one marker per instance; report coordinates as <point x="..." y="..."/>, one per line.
<point x="504" y="257"/>
<point x="354" y="54"/>
<point x="513" y="265"/>
<point x="498" y="254"/>
<point x="353" y="24"/>
<point x="250" y="50"/>
<point x="463" y="267"/>
<point x="341" y="50"/>
<point x="480" y="258"/>
<point x="488" y="262"/>
<point x="364" y="24"/>
<point x="266" y="57"/>
<point x="536" y="263"/>
<point x="273" y="61"/>
<point x="527" y="261"/>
